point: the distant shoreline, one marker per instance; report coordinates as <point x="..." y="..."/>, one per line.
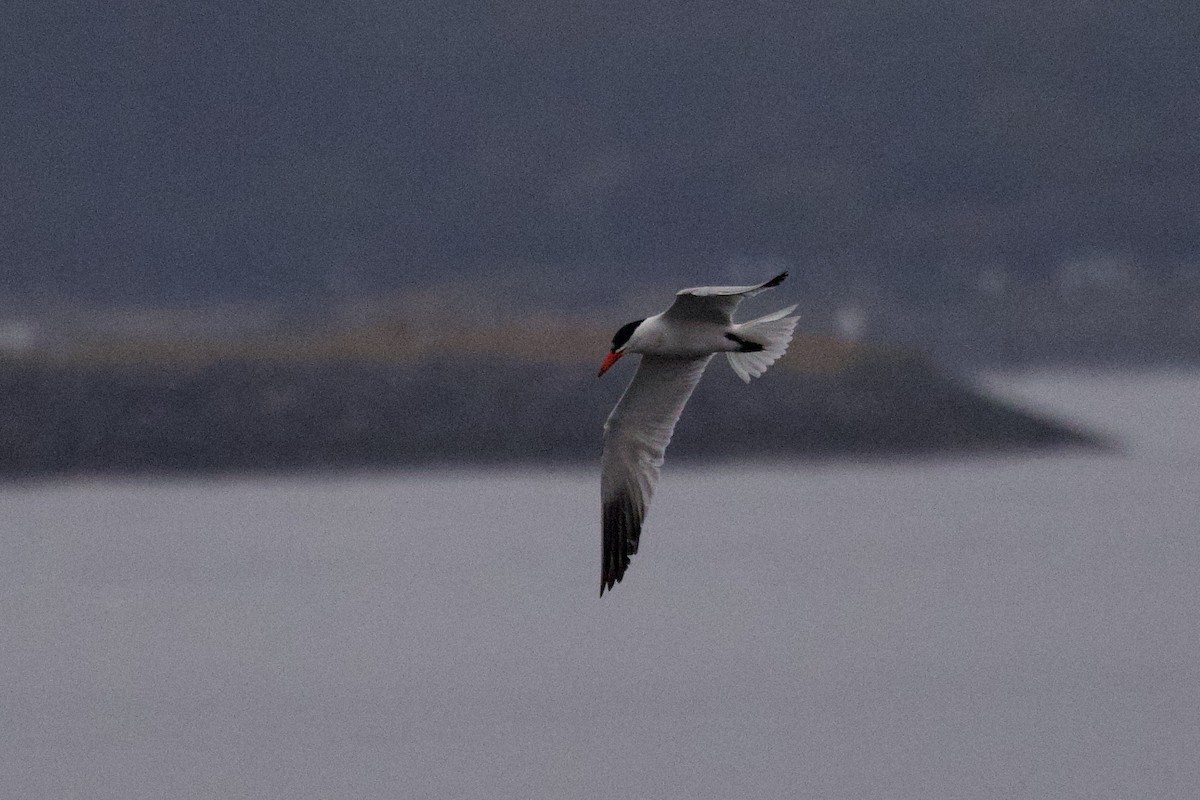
<point x="230" y="418"/>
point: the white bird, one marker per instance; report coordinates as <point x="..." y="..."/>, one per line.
<point x="676" y="346"/>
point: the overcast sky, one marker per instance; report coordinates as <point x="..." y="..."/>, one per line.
<point x="194" y="150"/>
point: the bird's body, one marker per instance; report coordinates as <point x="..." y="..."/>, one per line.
<point x="676" y="346"/>
<point x="662" y="337"/>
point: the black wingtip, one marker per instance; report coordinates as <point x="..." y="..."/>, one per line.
<point x="611" y="577"/>
<point x="621" y="526"/>
<point x="744" y="345"/>
<point x="778" y="279"/>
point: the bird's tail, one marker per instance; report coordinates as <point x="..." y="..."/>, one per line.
<point x="770" y="334"/>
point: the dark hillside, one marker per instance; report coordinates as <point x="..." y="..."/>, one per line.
<point x="253" y="415"/>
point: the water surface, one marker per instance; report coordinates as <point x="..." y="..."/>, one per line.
<point x="1011" y="627"/>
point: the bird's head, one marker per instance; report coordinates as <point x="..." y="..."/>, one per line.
<point x="620" y="344"/>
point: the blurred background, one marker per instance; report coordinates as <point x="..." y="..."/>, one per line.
<point x="344" y="273"/>
<point x="239" y="188"/>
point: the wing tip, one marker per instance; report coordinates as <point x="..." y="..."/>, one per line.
<point x="622" y="526"/>
<point x="778" y="279"/>
<point x="608" y="581"/>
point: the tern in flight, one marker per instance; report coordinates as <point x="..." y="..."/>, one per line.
<point x="675" y="346"/>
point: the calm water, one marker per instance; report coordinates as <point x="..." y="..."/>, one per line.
<point x="1018" y="627"/>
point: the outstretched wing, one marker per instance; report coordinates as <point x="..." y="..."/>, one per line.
<point x="635" y="439"/>
<point x="714" y="303"/>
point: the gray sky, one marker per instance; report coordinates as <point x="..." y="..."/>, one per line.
<point x="191" y="151"/>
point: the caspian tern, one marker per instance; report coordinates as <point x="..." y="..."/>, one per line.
<point x="676" y="346"/>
